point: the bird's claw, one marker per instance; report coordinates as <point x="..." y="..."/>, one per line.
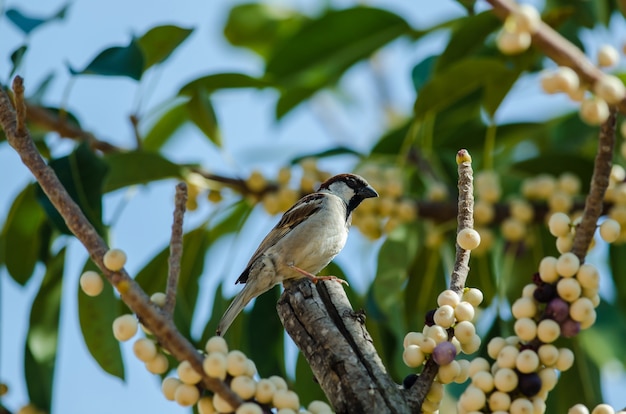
<point x="316" y="279"/>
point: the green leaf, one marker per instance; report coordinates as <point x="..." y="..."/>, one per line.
<point x="423" y="71"/>
<point x="28" y="23"/>
<point x="323" y="49"/>
<point x="260" y="26"/>
<point x="202" y="114"/>
<point x="96" y="315"/>
<point x="291" y="98"/>
<point x="426" y="275"/>
<point x="153" y="276"/>
<point x="341" y="150"/>
<point x="137" y="167"/>
<point x="393" y="270"/>
<point x="265" y="335"/>
<point x="220" y="304"/>
<point x="555" y="164"/>
<point x="460" y="80"/>
<point x="116" y="61"/>
<point x="159" y="43"/>
<point x="16" y="59"/>
<point x="603" y="340"/>
<point x="579" y="384"/>
<point x="617" y="259"/>
<point x="41" y="340"/>
<point x="21" y="235"/>
<point x="391" y="143"/>
<point x="82" y="174"/>
<point x="467" y="37"/>
<point x="212" y="83"/>
<point x="305" y="384"/>
<point x="170" y="121"/>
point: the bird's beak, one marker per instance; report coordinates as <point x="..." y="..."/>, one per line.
<point x="367" y="192"/>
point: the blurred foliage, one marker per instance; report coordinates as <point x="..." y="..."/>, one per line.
<point x="458" y="92"/>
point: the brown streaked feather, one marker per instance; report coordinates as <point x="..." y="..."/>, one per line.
<point x="303" y="209"/>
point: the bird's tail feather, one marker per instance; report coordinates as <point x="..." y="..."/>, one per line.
<point x="250" y="290"/>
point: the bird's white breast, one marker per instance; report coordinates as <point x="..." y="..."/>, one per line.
<point x="315" y="242"/>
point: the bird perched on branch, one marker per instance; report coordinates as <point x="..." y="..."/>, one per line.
<point x="308" y="236"/>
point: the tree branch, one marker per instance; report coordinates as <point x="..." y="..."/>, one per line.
<point x="557" y="48"/>
<point x="340" y="351"/>
<point x="465" y="219"/>
<point x="131" y="293"/>
<point x="599" y="183"/>
<point x="176" y="248"/>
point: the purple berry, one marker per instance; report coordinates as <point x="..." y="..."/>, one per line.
<point x="557" y="309"/>
<point x="409" y="380"/>
<point x="570" y="328"/>
<point x="529" y="384"/>
<point x="537" y="279"/>
<point x="544" y="293"/>
<point x="430" y="317"/>
<point x="444" y="353"/>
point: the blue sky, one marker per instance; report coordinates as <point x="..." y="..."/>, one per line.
<point x="252" y="140"/>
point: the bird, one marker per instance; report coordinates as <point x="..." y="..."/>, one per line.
<point x="308" y="236"/>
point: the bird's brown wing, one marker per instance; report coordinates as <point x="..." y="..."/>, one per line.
<point x="302" y="210"/>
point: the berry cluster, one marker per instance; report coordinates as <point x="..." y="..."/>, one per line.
<point x="239" y="372"/>
<point x="233" y="367"/>
<point x="598" y="409"/>
<point x="448" y="331"/>
<point x="607" y="90"/>
<point x="515" y="36"/>
<point x="560" y="302"/>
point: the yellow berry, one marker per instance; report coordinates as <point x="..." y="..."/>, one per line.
<point x="468" y="239"/>
<point x="413" y="356"/>
<point x="216" y="344"/>
<point x="610" y="88"/>
<point x="286" y="399"/>
<point x="610" y="230"/>
<point x="158" y="299"/>
<point x="594" y="111"/>
<point x="527" y="361"/>
<point x="548" y="330"/>
<point x="125" y="327"/>
<point x="559" y="224"/>
<point x="168" y="387"/>
<point x="505" y="380"/>
<point x="565" y="359"/>
<point x="114" y="259"/>
<point x="444" y="316"/>
<point x="243" y="386"/>
<point x="526" y="18"/>
<point x="145" y="349"/>
<point x="236" y="363"/>
<point x="265" y="390"/>
<point x="187" y="374"/>
<point x="91" y="283"/>
<point x="158" y="365"/>
<point x="568" y="289"/>
<point x="214" y="365"/>
<point x="221" y="405"/>
<point x="448" y="297"/>
<point x="511" y="43"/>
<point x="567" y="264"/>
<point x="186" y="395"/>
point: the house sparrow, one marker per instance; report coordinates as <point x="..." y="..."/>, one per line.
<point x="308" y="236"/>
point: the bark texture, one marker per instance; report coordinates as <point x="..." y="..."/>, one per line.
<point x="333" y="339"/>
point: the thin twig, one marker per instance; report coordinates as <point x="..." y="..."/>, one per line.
<point x="465" y="218"/>
<point x="20" y="105"/>
<point x="131" y="293"/>
<point x="176" y="248"/>
<point x="599" y="184"/>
